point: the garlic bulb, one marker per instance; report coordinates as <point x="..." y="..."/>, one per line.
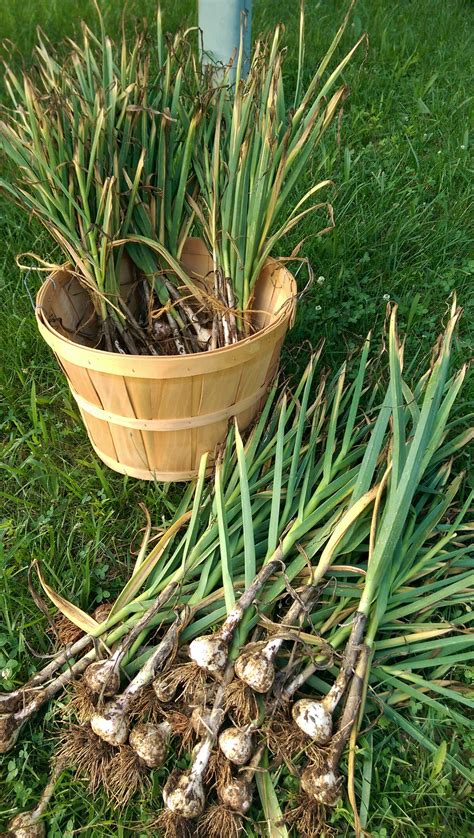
<point x="164" y="689"/>
<point x="236" y="745"/>
<point x="102" y="611"/>
<point x="210" y="652"/>
<point x="26" y="825"/>
<point x="184" y="795"/>
<point x="236" y="795"/>
<point x="257" y="671"/>
<point x="102" y="677"/>
<point x="314" y="719"/>
<point x="112" y="725"/>
<point x="321" y="784"/>
<point x="150" y="742"/>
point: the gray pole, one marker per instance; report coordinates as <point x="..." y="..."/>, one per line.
<point x="220" y="21"/>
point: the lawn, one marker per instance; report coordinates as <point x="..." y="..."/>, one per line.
<point x="402" y="203"/>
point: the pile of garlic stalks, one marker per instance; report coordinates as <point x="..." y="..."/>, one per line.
<point x="254" y="632"/>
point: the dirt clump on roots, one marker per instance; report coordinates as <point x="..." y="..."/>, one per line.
<point x="82" y="703"/>
<point x="183" y="730"/>
<point x="146" y="707"/>
<point x="63" y="630"/>
<point x="192" y="682"/>
<point x="218" y="770"/>
<point x="286" y="741"/>
<point x="67" y="632"/>
<point x="308" y="818"/>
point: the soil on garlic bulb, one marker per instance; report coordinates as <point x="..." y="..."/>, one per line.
<point x="184" y="795"/>
<point x="314" y="719"/>
<point x="26" y="826"/>
<point x="150" y="742"/>
<point x="102" y="678"/>
<point x="236" y="745"/>
<point x="321" y="783"/>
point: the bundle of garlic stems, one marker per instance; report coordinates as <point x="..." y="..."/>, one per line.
<point x="409" y="458"/>
<point x="430" y="571"/>
<point x="140" y="148"/>
<point x="417" y="451"/>
<point x="196" y="550"/>
<point x="332" y="470"/>
<point x="398" y="531"/>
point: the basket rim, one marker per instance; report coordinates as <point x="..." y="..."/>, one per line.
<point x="150" y="365"/>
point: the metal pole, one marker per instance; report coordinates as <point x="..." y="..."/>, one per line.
<point x="220" y="21"/>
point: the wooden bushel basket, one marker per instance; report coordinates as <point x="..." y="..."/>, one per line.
<point x="152" y="417"/>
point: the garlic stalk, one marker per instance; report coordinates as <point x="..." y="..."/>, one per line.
<point x="184" y="794"/>
<point x="103" y="677"/>
<point x="322" y="781"/>
<point x="315" y="717"/>
<point x="9" y="702"/>
<point x="31" y="824"/>
<point x="203" y="334"/>
<point x="257" y="669"/>
<point x="112" y="724"/>
<point x="15" y="700"/>
<point x="411" y="452"/>
<point x="211" y="652"/>
<point x="12" y="723"/>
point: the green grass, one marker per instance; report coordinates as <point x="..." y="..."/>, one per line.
<point x="402" y="204"/>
